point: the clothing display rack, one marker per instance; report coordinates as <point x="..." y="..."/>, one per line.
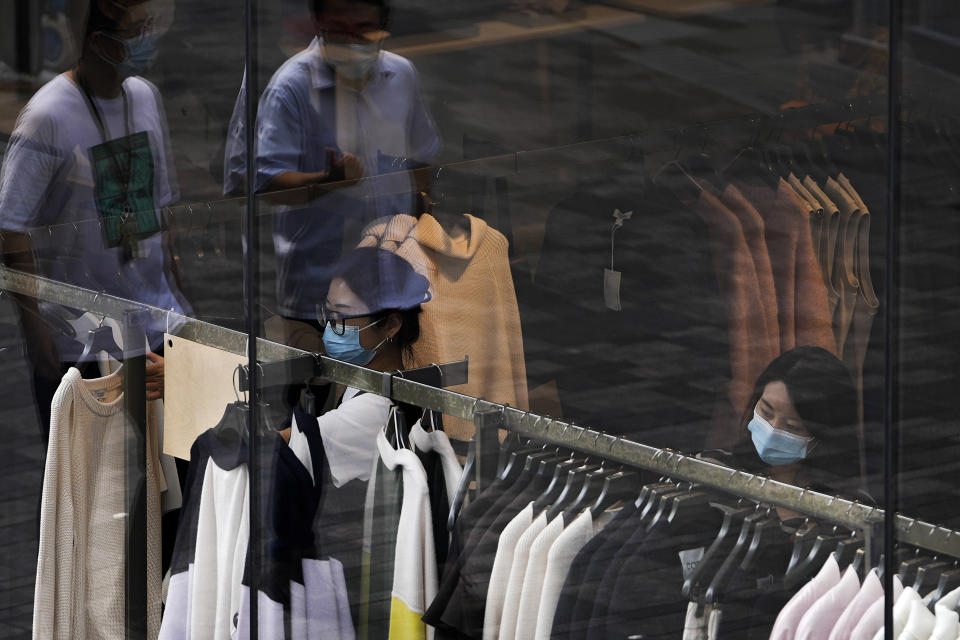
<point x="490" y="417"/>
<point x="311" y="366"/>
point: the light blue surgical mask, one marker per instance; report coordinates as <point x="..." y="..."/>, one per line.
<point x="138" y="53"/>
<point x="347" y="347"/>
<point x="776" y="446"/>
<point x="354" y="61"/>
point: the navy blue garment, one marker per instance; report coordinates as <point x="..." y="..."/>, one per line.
<point x="466" y="609"/>
<point x="289" y="503"/>
<point x="473" y="523"/>
<point x="185" y="546"/>
<point x="645" y="597"/>
<point x="596" y="601"/>
<point x="439" y="504"/>
<point x="753" y="598"/>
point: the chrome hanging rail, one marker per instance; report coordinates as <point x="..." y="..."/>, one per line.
<point x="542" y="428"/>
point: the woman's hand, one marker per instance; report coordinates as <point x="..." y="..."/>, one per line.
<point x="154" y="377"/>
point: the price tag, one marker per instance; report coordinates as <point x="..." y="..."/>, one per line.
<point x="690" y="560"/>
<point x="611" y="289"/>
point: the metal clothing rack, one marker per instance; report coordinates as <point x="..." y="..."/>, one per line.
<point x="588" y="441"/>
<point x="489" y="417"/>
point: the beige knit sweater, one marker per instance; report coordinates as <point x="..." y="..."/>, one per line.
<point x="473" y="310"/>
<point x="79" y="592"/>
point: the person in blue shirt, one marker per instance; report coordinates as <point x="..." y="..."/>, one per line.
<point x="348" y="116"/>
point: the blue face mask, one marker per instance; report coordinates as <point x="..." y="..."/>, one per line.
<point x="347" y="347"/>
<point x="138" y="52"/>
<point x="776" y="446"/>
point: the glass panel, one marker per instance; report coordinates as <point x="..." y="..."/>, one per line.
<point x="661" y="221"/>
<point x="664" y="221"/>
<point x="929" y="170"/>
<point x="112" y="118"/>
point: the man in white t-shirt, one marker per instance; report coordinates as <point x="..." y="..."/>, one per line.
<point x="86" y="170"/>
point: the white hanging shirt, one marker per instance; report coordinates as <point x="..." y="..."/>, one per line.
<point x="948" y="620"/>
<point x="870" y="590"/>
<point x="825" y="612"/>
<point x="500" y="572"/>
<point x="533" y="579"/>
<point x="872" y="619"/>
<point x="577" y="534"/>
<point x="920" y="623"/>
<point x="518" y="568"/>
<point x="439" y="442"/>
<point x="786" y="624"/>
<point x="349" y="432"/>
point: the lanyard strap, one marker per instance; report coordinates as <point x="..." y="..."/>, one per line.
<point x="98" y="119"/>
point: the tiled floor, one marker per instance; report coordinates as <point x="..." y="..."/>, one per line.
<point x="21" y="475"/>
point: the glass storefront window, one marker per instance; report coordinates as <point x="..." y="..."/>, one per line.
<point x="612" y="319"/>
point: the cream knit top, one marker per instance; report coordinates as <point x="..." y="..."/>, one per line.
<point x="80" y="569"/>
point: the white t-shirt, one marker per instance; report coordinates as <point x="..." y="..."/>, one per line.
<point x="825" y="612"/>
<point x="577" y="534"/>
<point x="948" y="621"/>
<point x="500" y="573"/>
<point x="350" y="433"/>
<point x="439" y="442"/>
<point x="415" y="579"/>
<point x="872" y="619"/>
<point x="870" y="590"/>
<point x="47" y="179"/>
<point x="518" y="569"/>
<point x="533" y="579"/>
<point x="786" y="623"/>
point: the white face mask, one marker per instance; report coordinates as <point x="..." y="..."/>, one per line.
<point x="353" y="61"/>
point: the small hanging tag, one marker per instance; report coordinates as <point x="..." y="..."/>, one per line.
<point x="611" y="277"/>
<point x="690" y="560"/>
<point x="611" y="289"/>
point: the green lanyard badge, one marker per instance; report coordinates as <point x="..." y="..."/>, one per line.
<point x="123" y="174"/>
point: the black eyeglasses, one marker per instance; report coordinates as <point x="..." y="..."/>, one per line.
<point x="336" y="320"/>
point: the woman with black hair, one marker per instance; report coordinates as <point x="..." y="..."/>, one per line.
<point x="370" y="317"/>
<point x="800" y="426"/>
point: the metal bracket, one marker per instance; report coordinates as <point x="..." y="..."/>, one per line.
<point x="488" y="421"/>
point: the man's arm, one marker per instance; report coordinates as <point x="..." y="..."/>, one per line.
<point x="344" y="172"/>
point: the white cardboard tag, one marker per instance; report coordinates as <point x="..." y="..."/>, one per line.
<point x="611" y="289"/>
<point x="690" y="560"/>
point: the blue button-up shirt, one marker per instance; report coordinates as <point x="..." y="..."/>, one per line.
<point x="296" y="124"/>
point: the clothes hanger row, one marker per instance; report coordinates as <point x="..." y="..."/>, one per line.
<point x="577" y="481"/>
<point x="310" y="365"/>
<point x="765" y="158"/>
